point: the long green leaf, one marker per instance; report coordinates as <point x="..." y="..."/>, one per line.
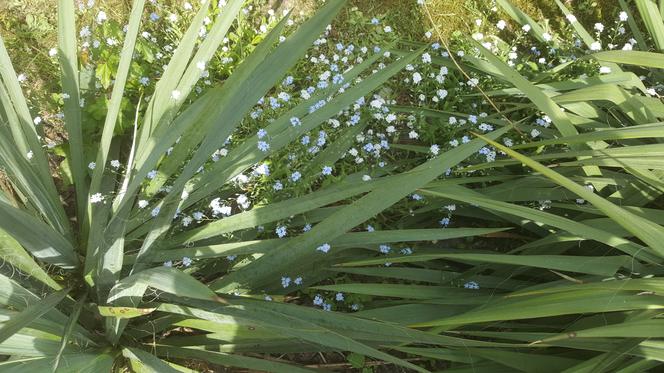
<point x="652" y="234"/>
<point x="31" y="313"/>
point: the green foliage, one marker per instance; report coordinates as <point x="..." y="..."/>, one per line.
<point x="527" y="238"/>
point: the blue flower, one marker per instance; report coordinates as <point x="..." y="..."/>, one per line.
<point x="305" y="140"/>
<point x="471" y="285"/>
<point x="263" y="146"/>
<point x="288" y="80"/>
<point x="324" y="248"/>
<point x="338" y="79"/>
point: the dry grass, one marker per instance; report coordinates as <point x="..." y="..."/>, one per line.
<point x="458" y="15"/>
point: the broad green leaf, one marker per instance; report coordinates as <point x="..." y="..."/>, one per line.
<point x="12" y="253"/>
<point x="602" y="266"/>
<point x="30" y="313"/>
<point x="636" y="58"/>
<point x="48" y="246"/>
<point x="124" y="312"/>
<point x="148" y="363"/>
<point x="230" y="360"/>
<point x="166" y="279"/>
<point x="68" y="56"/>
<point x="635" y="329"/>
<point x="548" y="305"/>
<point x="69" y="329"/>
<point x="71" y="363"/>
<point x="652" y="20"/>
<point x="409" y="291"/>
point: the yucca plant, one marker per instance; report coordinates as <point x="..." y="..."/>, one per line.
<point x="79" y="304"/>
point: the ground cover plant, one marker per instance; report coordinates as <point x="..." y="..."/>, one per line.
<point x="233" y="184"/>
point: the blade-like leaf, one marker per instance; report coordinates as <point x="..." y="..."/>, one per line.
<point x="31" y="313"/>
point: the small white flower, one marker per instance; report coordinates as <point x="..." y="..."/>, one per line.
<point x="604" y="70"/>
<point x="142" y="204"/>
<point x="622" y="16"/>
<point x="434" y="149"/>
<point x="324" y="248"/>
<point x="152" y="174"/>
<point x="115" y="163"/>
<point x="426" y="58"/>
<point x="526" y="27"/>
<point x="366" y="178"/>
<point x="501" y="24"/>
<point x="186" y="261"/>
<point x="175" y="94"/>
<point x="571" y="18"/>
<point x="546" y="36"/>
<point x="599" y="27"/>
<point x="535" y="132"/>
<point x="417" y="78"/>
<point x="96" y="198"/>
<point x="243" y="201"/>
<point x="200" y="65"/>
<point x="101" y="17"/>
<point x="53" y="52"/>
<point x="37" y="120"/>
<point x="596" y="46"/>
